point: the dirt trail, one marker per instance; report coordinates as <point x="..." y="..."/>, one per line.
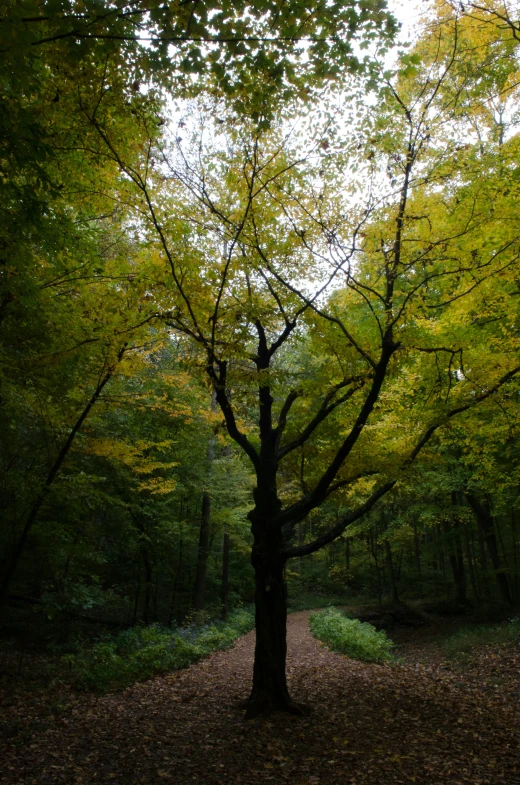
<point x="370" y="725"/>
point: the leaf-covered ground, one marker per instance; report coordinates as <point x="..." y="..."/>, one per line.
<point x="421" y="721"/>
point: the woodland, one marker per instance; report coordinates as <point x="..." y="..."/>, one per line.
<point x="259" y="354"/>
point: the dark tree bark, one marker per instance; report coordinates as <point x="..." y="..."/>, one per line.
<point x="224" y="597"/>
<point x="148" y="579"/>
<point x="441" y="548"/>
<point x="53" y="473"/>
<point x="457" y="501"/>
<point x="147" y="563"/>
<point x="269" y="680"/>
<point x="515" y="555"/>
<point x="471" y="567"/>
<point x="456" y="559"/>
<point x="300" y="542"/>
<point x="417" y="550"/>
<point x="137" y="596"/>
<point x="394" y="594"/>
<point x="199" y="587"/>
<point x="175" y="584"/>
<point x="372" y="541"/>
<point x="202" y="554"/>
<point x="484" y="518"/>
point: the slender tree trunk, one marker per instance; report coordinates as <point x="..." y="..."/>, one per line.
<point x="417" y="546"/>
<point x="137" y="596"/>
<point x="226" y="547"/>
<point x="485" y="521"/>
<point x="181" y="592"/>
<point x="442" y="559"/>
<point x="300" y="542"/>
<point x="515" y="554"/>
<point x="53" y="473"/>
<point x="202" y="554"/>
<point x="456" y="561"/>
<point x="505" y="556"/>
<point x="457" y="501"/>
<point x="175" y="585"/>
<point x="347" y="555"/>
<point x="436" y="550"/>
<point x="391" y="574"/>
<point x="172" y="605"/>
<point x="471" y="569"/>
<point x="399" y="564"/>
<point x="148" y="578"/>
<point x="373" y="546"/>
<point x="482" y="551"/>
<point x="199" y="587"/>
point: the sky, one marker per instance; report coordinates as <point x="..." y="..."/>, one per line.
<point x="408" y="12"/>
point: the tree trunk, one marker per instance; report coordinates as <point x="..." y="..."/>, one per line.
<point x="225" y="576"/>
<point x="515" y="555"/>
<point x="202" y="554"/>
<point x="300" y="542"/>
<point x="486" y="589"/>
<point x="372" y="542"/>
<point x="391" y="574"/>
<point x="175" y="585"/>
<point x="471" y="570"/>
<point x="269" y="680"/>
<point x="417" y="550"/>
<point x="148" y="577"/>
<point x="269" y="690"/>
<point x="53" y="473"/>
<point x="456" y="561"/>
<point x="137" y="596"/>
<point x="436" y="550"/>
<point x="457" y="501"/>
<point x="199" y="587"/>
<point x="485" y="521"/>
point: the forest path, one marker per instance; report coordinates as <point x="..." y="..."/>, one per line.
<point x="370" y="725"/>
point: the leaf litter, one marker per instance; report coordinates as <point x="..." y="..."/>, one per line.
<point x="423" y="722"/>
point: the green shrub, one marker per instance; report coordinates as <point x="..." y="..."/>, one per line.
<point x="142" y="652"/>
<point x="467" y="639"/>
<point x="356" y="639"/>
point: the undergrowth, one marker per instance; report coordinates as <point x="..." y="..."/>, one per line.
<point x="356" y="639"/>
<point x="467" y="639"/>
<point x="139" y="653"/>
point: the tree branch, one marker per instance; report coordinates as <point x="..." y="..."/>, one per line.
<point x="219" y="385"/>
<point x="323" y="412"/>
<point x="332" y="534"/>
<point x="299" y="510"/>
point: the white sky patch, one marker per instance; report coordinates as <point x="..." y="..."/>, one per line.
<point x="409" y="13"/>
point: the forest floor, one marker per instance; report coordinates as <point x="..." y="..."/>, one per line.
<point x="422" y="721"/>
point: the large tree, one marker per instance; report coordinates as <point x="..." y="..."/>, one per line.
<point x="336" y="287"/>
<point x="69" y="69"/>
<point x="378" y="250"/>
